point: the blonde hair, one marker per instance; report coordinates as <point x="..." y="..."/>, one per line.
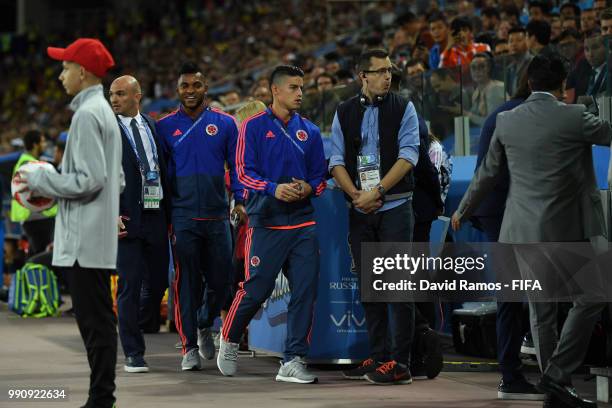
<point x="248" y="110"/>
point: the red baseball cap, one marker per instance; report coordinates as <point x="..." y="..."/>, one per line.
<point x="90" y="53"/>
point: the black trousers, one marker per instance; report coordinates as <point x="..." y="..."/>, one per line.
<point x="425" y="312"/>
<point x="510" y="320"/>
<point x="39" y="234"/>
<point x="142" y="264"/>
<point x="394" y="225"/>
<point x="93" y="307"/>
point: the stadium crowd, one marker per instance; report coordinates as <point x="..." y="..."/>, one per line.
<point x="238" y="57"/>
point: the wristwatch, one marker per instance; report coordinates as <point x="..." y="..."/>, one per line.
<point x="381" y="191"/>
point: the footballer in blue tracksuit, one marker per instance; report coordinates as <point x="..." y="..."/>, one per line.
<point x="198" y="141"/>
<point x="280" y="161"/>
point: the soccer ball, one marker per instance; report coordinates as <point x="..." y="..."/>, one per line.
<point x="21" y="193"/>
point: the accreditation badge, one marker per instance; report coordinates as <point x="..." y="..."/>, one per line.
<point x="151" y="191"/>
<point x="368" y="171"/>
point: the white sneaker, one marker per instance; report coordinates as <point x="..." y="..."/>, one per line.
<point x="191" y="361"/>
<point x="227" y="358"/>
<point x="295" y="371"/>
<point x="135" y="365"/>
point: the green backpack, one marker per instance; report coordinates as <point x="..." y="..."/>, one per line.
<point x="34" y="292"/>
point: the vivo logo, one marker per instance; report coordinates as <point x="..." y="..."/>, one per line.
<point x="348" y="319"/>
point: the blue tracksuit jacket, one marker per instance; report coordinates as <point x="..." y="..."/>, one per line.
<point x="270" y="152"/>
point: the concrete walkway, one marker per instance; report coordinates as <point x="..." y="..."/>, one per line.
<point x="49" y="353"/>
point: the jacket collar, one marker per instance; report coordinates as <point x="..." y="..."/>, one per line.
<point x="84" y="95"/>
<point x="273" y="116"/>
<point x="540" y="96"/>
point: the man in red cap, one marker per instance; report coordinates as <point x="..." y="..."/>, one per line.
<point x="87" y="191"/>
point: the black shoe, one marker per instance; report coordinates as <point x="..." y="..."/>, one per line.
<point x="427" y="361"/>
<point x="4" y="295"/>
<point x="433" y="360"/>
<point x="519" y="390"/>
<point x="527" y="347"/>
<point x="135" y="364"/>
<point x="564" y="393"/>
<point x="357" y="373"/>
<point x="69" y="312"/>
<point x="552" y="402"/>
<point x="417" y="369"/>
<point x="390" y="373"/>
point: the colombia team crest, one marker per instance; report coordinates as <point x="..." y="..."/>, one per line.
<point x="211" y="130"/>
<point x="255" y="261"/>
<point x="301" y="135"/>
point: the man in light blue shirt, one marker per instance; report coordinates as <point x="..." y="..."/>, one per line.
<point x="375" y="146"/>
<point x="408" y="139"/>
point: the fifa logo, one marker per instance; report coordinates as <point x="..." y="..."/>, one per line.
<point x="348" y="319"/>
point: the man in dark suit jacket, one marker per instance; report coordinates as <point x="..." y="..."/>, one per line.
<point x="144" y="209"/>
<point x="590" y="76"/>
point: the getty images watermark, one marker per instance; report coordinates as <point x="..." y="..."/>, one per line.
<point x="397" y="272"/>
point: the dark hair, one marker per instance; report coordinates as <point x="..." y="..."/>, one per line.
<point x="499" y="41"/>
<point x="606" y="14"/>
<point x="571" y="5"/>
<point x="437" y="16"/>
<point x="487" y="37"/>
<point x="344" y="74"/>
<point x="282" y="71"/>
<point x="326" y="75"/>
<point x="544" y="6"/>
<point x="594" y="33"/>
<point x="60" y="145"/>
<point x="522" y="90"/>
<point x="459" y="23"/>
<point x="442" y="73"/>
<point x="570" y="32"/>
<point x="414" y="62"/>
<point x="32" y="138"/>
<point x="485" y="54"/>
<point x="407" y="17"/>
<point x="189" y="67"/>
<point x="546" y="73"/>
<point x="512" y="10"/>
<point x="490" y="12"/>
<point x="364" y="63"/>
<point x="331" y="56"/>
<point x="540" y="30"/>
<point x="517" y="29"/>
<point x="488" y="57"/>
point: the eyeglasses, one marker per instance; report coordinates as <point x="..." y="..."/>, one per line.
<point x="380" y="71"/>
